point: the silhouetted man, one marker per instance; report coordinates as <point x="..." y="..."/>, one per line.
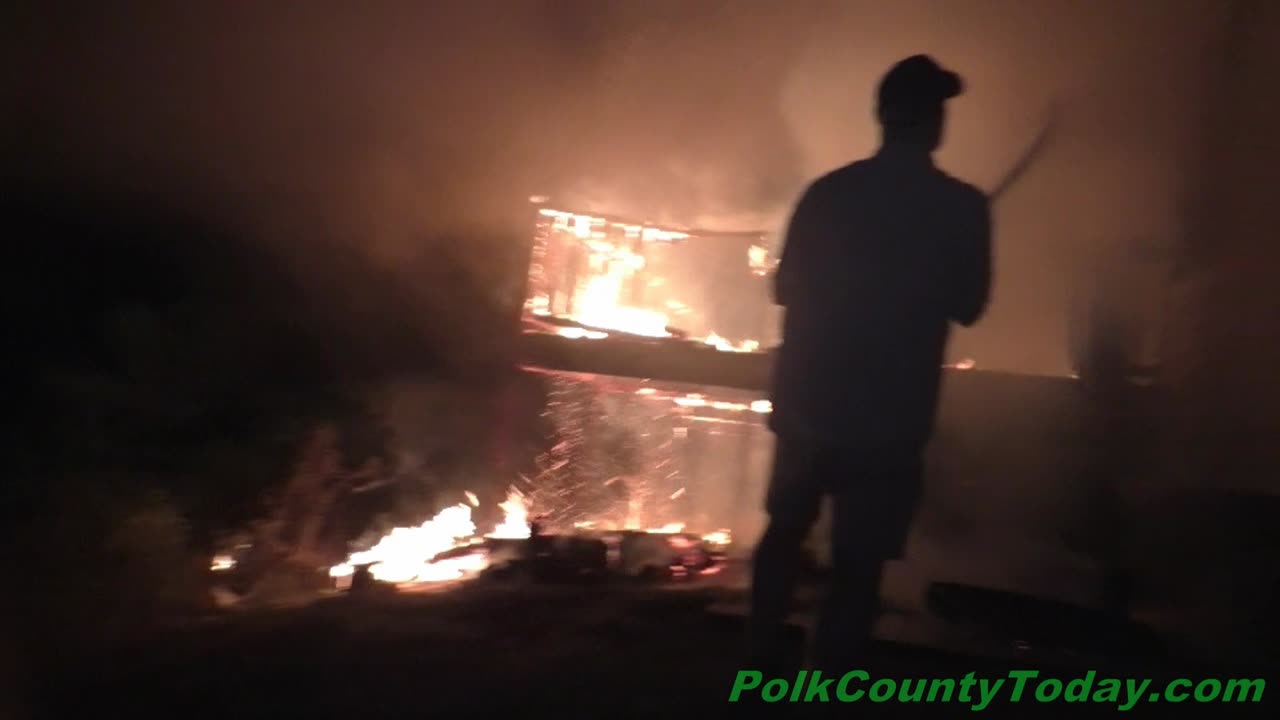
<point x="880" y="257"/>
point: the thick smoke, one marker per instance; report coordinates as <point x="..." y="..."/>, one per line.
<point x="392" y="125"/>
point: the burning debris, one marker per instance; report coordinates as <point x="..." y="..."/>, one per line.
<point x="447" y="548"/>
<point x="427" y="552"/>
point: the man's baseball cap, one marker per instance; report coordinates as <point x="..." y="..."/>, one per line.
<point x="915" y="89"/>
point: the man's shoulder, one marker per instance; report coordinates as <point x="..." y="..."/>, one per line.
<point x="844" y="173"/>
<point x="866" y="173"/>
<point x="964" y="191"/>
<point x="839" y="180"/>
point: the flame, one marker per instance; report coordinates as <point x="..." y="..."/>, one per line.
<point x="222" y="562"/>
<point x="405" y="554"/>
<point x="454" y="568"/>
<point x="515" y="519"/>
<point x="719" y="343"/>
<point x="580" y="333"/>
<point x="600" y="308"/>
<point x="668" y="529"/>
<point x="719" y="537"/>
<point x="725" y="345"/>
<point x="760" y="260"/>
<point x="612" y="261"/>
<point x="409" y="554"/>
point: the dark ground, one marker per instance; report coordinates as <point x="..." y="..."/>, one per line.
<point x="502" y="647"/>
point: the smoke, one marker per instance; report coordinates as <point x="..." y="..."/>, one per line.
<point x="393" y="125"/>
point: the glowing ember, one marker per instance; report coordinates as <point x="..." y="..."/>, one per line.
<point x="760" y="261"/>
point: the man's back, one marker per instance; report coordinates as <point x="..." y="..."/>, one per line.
<point x="880" y="257"/>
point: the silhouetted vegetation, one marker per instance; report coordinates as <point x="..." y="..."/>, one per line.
<point x="166" y="374"/>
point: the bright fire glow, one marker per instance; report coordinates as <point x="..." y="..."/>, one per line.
<point x="725" y="345"/>
<point x="667" y="529"/>
<point x="697" y="400"/>
<point x="405" y="554"/>
<point x="719" y="343"/>
<point x="691" y="400"/>
<point x="581" y="333"/>
<point x="515" y="518"/>
<point x="601" y="309"/>
<point x="612" y="262"/>
<point x="222" y="562"/>
<point x="719" y="537"/>
<point x="409" y="554"/>
<point x="759" y="260"/>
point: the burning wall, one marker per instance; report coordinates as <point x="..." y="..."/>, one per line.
<point x="615" y="275"/>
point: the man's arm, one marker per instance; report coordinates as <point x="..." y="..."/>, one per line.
<point x="795" y="265"/>
<point x="973" y="267"/>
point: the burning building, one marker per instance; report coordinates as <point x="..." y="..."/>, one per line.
<point x="651" y="346"/>
<point x="638" y="406"/>
<point x="597" y="273"/>
<point x="640" y="376"/>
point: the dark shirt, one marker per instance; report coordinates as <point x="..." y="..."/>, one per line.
<point x="880" y="257"/>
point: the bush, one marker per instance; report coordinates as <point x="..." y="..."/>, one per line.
<point x="100" y="569"/>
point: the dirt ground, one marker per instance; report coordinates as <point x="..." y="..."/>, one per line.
<point x="485" y="649"/>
